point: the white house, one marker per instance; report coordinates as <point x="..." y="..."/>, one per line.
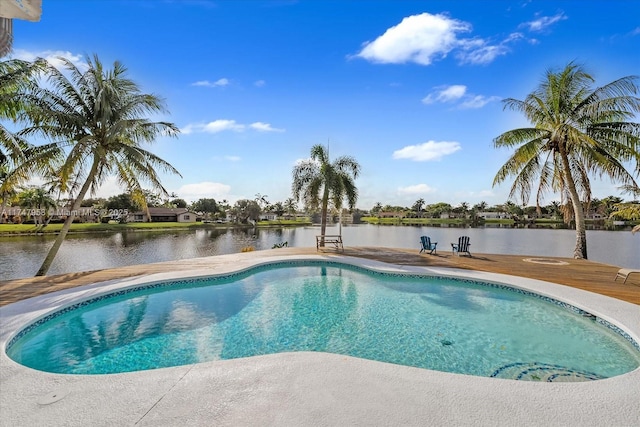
<point x="163" y="215"/>
<point x="493" y="215"/>
<point x="268" y="216"/>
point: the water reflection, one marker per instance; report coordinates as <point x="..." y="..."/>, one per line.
<point x="21" y="256"/>
<point x="316" y="311"/>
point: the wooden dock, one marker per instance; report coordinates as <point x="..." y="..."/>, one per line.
<point x="587" y="275"/>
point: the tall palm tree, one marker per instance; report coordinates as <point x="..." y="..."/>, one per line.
<point x="98" y="119"/>
<point x="317" y="180"/>
<point x="577" y="131"/>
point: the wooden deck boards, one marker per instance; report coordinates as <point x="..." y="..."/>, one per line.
<point x="582" y="274"/>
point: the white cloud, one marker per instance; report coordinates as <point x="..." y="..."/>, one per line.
<point x="232" y="158"/>
<point x="264" y="127"/>
<point x="259" y="83"/>
<point x="52" y="57"/>
<point x="455" y="93"/>
<point x="215" y="126"/>
<point x="418" y="38"/>
<point x="482" y="55"/>
<point x="222" y="125"/>
<point x="544" y="22"/>
<point x="478" y="101"/>
<point x="201" y="190"/>
<point x="218" y="83"/>
<point x="445" y="94"/>
<point x="425" y="38"/>
<point x="416" y="189"/>
<point x="190" y="128"/>
<point x="427" y="151"/>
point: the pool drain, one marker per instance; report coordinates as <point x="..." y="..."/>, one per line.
<point x="543" y="372"/>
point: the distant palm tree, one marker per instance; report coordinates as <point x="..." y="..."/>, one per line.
<point x="417" y="207"/>
<point x="39" y="201"/>
<point x="262" y="201"/>
<point x="291" y="206"/>
<point x="317" y="180"/>
<point x="97" y="118"/>
<point x="577" y="131"/>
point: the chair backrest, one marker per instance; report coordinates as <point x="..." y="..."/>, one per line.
<point x="425" y="241"/>
<point x="463" y="244"/>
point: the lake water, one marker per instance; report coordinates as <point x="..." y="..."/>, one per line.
<point x="21" y="256"/>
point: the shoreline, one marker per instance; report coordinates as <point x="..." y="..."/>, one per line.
<point x="90" y="227"/>
<point x="582" y="274"/>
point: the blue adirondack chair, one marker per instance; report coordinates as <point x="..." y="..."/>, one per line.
<point x="427" y="245"/>
<point x="462" y="246"/>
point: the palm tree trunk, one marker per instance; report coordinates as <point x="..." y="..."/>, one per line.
<point x="323" y="220"/>
<point x="580" y="252"/>
<point x="46" y="264"/>
<point x="4" y="205"/>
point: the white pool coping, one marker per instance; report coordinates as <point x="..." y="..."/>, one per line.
<point x="308" y="388"/>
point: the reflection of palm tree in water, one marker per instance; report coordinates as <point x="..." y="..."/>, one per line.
<point x="80" y="341"/>
<point x="318" y="322"/>
<point x="320" y="311"/>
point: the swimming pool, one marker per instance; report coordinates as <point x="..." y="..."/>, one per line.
<point x="438" y="323"/>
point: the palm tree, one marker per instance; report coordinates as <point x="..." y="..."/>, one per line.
<point x="291" y="206"/>
<point x="39" y="201"/>
<point x="97" y="118"/>
<point x="629" y="210"/>
<point x="417" y="207"/>
<point x="262" y="201"/>
<point x="376" y="208"/>
<point x="464" y="209"/>
<point x="577" y="131"/>
<point x="317" y="180"/>
<point x="16" y="77"/>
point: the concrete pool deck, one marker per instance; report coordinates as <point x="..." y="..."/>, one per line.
<point x="299" y="389"/>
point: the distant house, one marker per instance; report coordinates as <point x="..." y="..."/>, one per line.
<point x="594" y="216"/>
<point x="268" y="216"/>
<point x="390" y="214"/>
<point x="493" y="215"/>
<point x="163" y="215"/>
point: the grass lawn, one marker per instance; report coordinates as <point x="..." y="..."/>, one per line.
<point x="425" y="221"/>
<point x="136" y="226"/>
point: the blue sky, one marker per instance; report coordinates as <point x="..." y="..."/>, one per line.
<point x="411" y="89"/>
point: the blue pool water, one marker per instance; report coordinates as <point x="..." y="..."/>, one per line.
<point x="437" y="323"/>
